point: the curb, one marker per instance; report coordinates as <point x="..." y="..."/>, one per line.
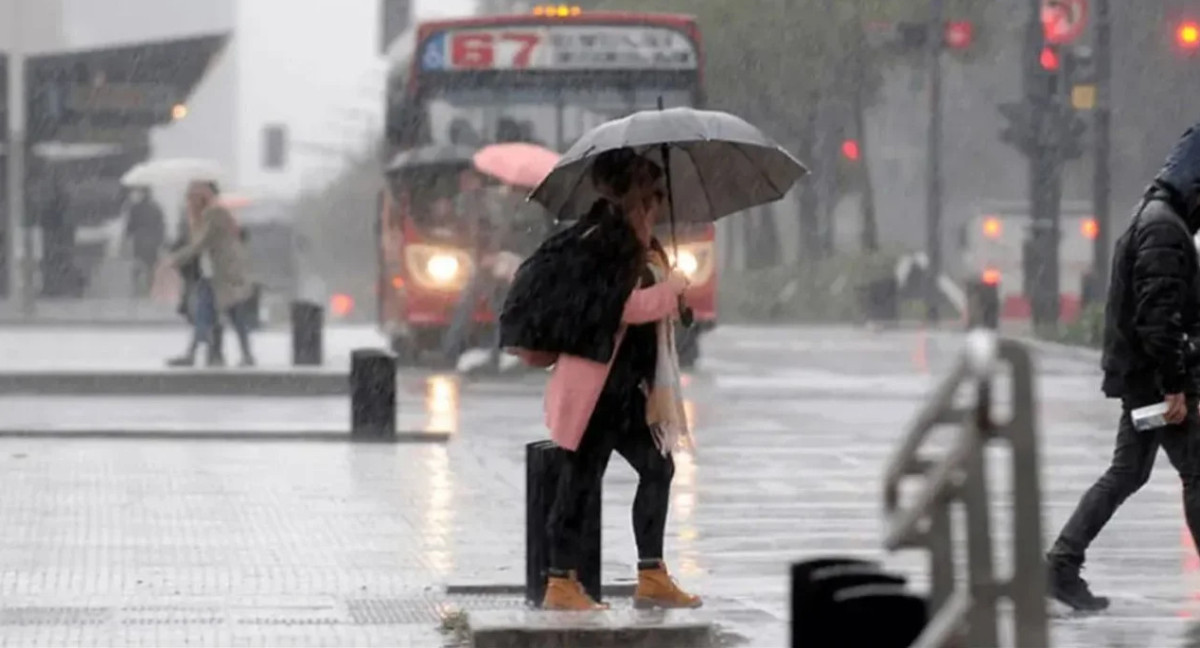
<point x="175" y="383"/>
<point x="1084" y="354"/>
<point x="618" y="628"/>
<point x="314" y="436"/>
<point x="614" y="590"/>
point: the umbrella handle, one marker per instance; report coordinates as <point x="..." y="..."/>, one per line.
<point x="686" y="316"/>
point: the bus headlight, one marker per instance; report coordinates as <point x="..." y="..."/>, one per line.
<point x="687" y="263"/>
<point x="695" y="260"/>
<point x="437" y="267"/>
<point x="442" y="268"/>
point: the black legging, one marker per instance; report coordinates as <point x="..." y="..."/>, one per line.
<point x="619" y="423"/>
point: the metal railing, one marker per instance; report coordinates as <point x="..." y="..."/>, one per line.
<point x="963" y="611"/>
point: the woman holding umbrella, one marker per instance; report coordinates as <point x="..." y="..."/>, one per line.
<point x="624" y="397"/>
<point x="599" y="303"/>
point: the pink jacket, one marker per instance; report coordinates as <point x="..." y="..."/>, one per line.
<point x="575" y="383"/>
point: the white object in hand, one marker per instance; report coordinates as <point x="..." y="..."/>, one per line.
<point x="1149" y="417"/>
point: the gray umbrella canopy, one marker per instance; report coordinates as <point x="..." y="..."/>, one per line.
<point x="720" y="164"/>
<point x="431" y="156"/>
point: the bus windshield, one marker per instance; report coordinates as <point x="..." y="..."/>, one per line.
<point x="550" y="117"/>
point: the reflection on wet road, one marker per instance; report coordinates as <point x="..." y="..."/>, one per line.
<point x="792" y="427"/>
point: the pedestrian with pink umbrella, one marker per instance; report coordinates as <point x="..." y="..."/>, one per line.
<point x="499" y="240"/>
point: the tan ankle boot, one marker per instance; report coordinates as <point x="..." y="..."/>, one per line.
<point x="656" y="589"/>
<point x="567" y="594"/>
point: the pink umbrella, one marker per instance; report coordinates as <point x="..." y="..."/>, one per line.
<point x="516" y="163"/>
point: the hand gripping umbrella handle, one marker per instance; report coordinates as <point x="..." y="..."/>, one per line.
<point x="687" y="316"/>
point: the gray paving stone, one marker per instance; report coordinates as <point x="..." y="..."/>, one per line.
<point x="792" y="425"/>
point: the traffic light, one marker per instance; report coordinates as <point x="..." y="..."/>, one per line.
<point x="1090" y="228"/>
<point x="1187" y="35"/>
<point x="959" y="34"/>
<point x="851" y="150"/>
<point x="992" y="227"/>
<point x="1049" y="59"/>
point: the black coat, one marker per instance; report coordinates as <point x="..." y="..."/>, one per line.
<point x="569" y="295"/>
<point x="1153" y="311"/>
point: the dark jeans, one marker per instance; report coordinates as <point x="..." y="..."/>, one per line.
<point x="1132" y="461"/>
<point x="619" y="423"/>
<point x="206" y="321"/>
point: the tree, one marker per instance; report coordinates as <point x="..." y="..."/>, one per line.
<point x="804" y="71"/>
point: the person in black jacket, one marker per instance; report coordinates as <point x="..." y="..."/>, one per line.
<point x="1151" y="318"/>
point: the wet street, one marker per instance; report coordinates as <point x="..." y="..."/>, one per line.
<point x="167" y="542"/>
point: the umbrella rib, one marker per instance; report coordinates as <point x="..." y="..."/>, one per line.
<point x="703" y="182"/>
<point x="757" y="167"/>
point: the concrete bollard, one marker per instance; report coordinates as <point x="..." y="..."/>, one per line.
<point x="372" y="394"/>
<point x="542" y="462"/>
<point x="307" y="323"/>
<point x="983" y="305"/>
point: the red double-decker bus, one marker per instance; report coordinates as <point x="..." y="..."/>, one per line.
<point x="545" y="77"/>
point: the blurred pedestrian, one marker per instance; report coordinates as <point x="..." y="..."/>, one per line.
<point x="190" y="274"/>
<point x="146" y="231"/>
<point x="223" y="287"/>
<point x="481" y="210"/>
<point x="597" y="301"/>
<point x="1152" y="321"/>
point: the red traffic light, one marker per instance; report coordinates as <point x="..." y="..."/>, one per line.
<point x="1049" y="59"/>
<point x="850" y="150"/>
<point x="1188" y="35"/>
<point x="959" y="34"/>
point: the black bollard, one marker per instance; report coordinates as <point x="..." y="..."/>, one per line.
<point x="806" y="594"/>
<point x="542" y="461"/>
<point x="877" y="615"/>
<point x="372" y="394"/>
<point x="983" y="305"/>
<point x="307" y="321"/>
<point x="816" y="627"/>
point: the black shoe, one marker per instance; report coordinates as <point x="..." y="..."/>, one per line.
<point x="1065" y="585"/>
<point x="181" y="361"/>
<point x="216" y="361"/>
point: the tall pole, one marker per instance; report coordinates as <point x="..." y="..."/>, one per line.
<point x="1101" y="200"/>
<point x="15" y="151"/>
<point x="933" y="157"/>
<point x="1045" y="92"/>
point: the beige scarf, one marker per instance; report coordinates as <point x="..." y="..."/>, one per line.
<point x="664" y="401"/>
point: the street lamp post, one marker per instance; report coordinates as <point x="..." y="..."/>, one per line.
<point x="15" y="150"/>
<point x="933" y="158"/>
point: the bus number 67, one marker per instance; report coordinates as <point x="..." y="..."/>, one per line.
<point x="477" y="50"/>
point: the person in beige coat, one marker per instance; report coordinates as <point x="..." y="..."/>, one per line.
<point x="224" y="287"/>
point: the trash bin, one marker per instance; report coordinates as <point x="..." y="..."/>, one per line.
<point x="307" y="322"/>
<point x="542" y="461"/>
<point x="372" y="394"/>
